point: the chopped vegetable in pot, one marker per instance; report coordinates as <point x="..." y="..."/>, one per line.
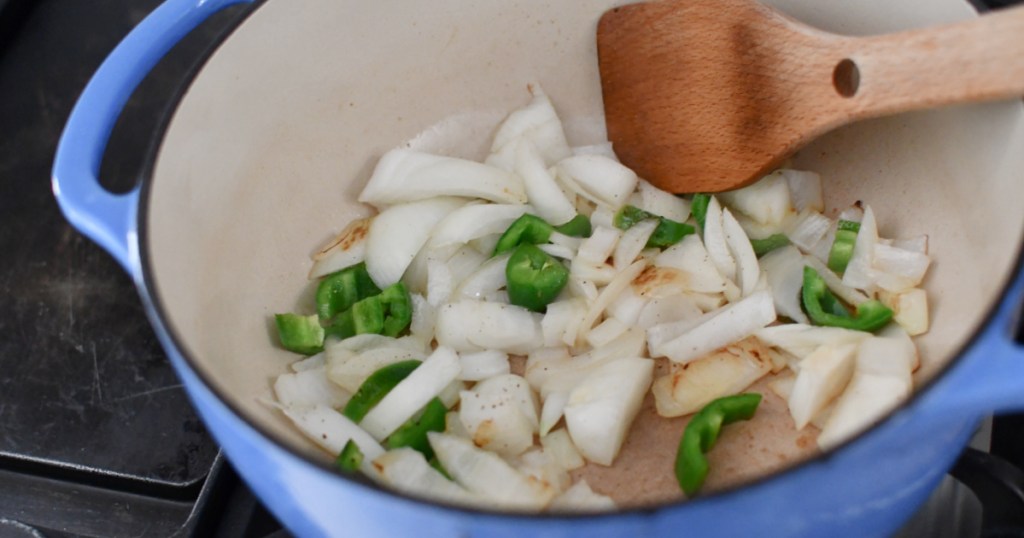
<point x="701" y="434"/>
<point x="495" y="328"/>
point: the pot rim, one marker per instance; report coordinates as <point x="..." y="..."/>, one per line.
<point x="147" y="287"/>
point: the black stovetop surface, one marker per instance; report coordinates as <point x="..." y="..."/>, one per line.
<point x="97" y="437"/>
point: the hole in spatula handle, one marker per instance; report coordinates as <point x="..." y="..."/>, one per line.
<point x="846" y="78"/>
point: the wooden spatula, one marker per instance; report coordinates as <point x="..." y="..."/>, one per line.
<point x="709" y="95"/>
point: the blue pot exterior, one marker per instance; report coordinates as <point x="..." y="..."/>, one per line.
<point x="867" y="488"/>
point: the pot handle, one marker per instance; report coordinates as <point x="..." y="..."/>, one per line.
<point x="105" y="217"/>
<point x="989" y="376"/>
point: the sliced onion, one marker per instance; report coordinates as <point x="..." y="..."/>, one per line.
<point x="604" y="149"/>
<point x="714" y="241"/>
<point x="412" y="393"/>
<point x="348" y="248"/>
<point x="424" y="318"/>
<point x="810" y="229"/>
<point x="407" y="471"/>
<point x="480" y="365"/>
<point x="800" y="340"/>
<point x="804" y="190"/>
<point x="537" y="122"/>
<point x="866" y="399"/>
<point x="332" y="430"/>
<point x="469" y="325"/>
<point x="541" y="189"/>
<point x="439" y="283"/>
<point x="580" y="498"/>
<point x="562" y="321"/>
<point x="822" y="377"/>
<point x="554" y="407"/>
<point x="487" y="475"/>
<point x="628" y="306"/>
<point x="603" y="405"/>
<point x="309" y="388"/>
<point x="727" y="371"/>
<point x="404" y="175"/>
<point x="582" y="288"/>
<point x="559" y="445"/>
<point x="767" y="201"/>
<point x="558" y="251"/>
<point x="835" y="284"/>
<point x="473" y="221"/>
<point x="859" y="273"/>
<point x="500" y="413"/>
<point x="607" y="295"/>
<point x="309" y="363"/>
<point x="605" y="332"/>
<point x="487" y="278"/>
<point x="597" y="248"/>
<point x="716" y="329"/>
<point x="748" y="271"/>
<point x="399" y="232"/>
<point x="542" y="467"/>
<point x="415" y="276"/>
<point x="658" y="202"/>
<point x="632" y="242"/>
<point x="598" y="178"/>
<point x="690" y="256"/>
<point x="667" y="310"/>
<point x="898" y="269"/>
<point x="349" y="370"/>
<point x="784" y="268"/>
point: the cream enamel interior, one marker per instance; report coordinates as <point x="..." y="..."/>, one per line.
<point x="268" y="148"/>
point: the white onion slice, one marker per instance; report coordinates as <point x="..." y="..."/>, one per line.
<point x="537" y="122"/>
<point x="724" y="372"/>
<point x="469" y="325"/>
<point x="559" y="445"/>
<point x="632" y="242"/>
<point x="823" y="375"/>
<point x="487" y="278"/>
<point x="580" y="498"/>
<point x="309" y="388"/>
<point x="810" y="229"/>
<point x="500" y="413"/>
<point x="804" y="190"/>
<point x="604" y="149"/>
<point x="541" y="189"/>
<point x="766" y="201"/>
<point x="784" y="268"/>
<point x="607" y="295"/>
<point x="719" y="328"/>
<point x="412" y="393"/>
<point x="658" y="202"/>
<point x="406" y="470"/>
<point x="598" y="178"/>
<point x="487" y="475"/>
<point x="690" y="256"/>
<point x="480" y="365"/>
<point x="309" y="363"/>
<point x="331" y="430"/>
<point x="748" y="271"/>
<point x="346" y="249"/>
<point x="473" y="221"/>
<point x="603" y="405"/>
<point x="800" y="340"/>
<point x="404" y="175"/>
<point x="859" y="273"/>
<point x="834" y="283"/>
<point x="714" y="241"/>
<point x="399" y="232"/>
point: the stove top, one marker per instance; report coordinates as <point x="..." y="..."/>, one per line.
<point x="97" y="437"/>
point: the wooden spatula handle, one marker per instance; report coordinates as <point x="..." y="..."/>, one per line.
<point x="978" y="60"/>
